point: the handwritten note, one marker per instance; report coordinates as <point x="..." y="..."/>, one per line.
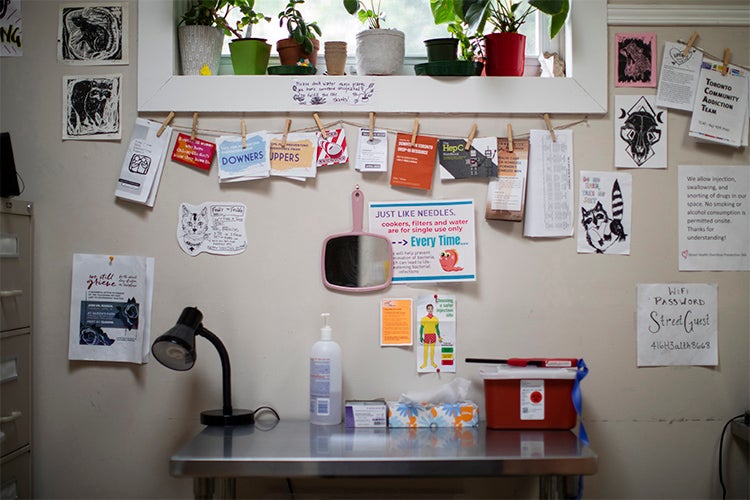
<point x="212" y="227"/>
<point x="317" y="92"/>
<point x="677" y="324"/>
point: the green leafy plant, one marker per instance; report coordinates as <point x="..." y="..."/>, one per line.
<point x="302" y="31"/>
<point x="216" y="12"/>
<point x="371" y="16"/>
<point x="507" y="16"/>
<point x="448" y="12"/>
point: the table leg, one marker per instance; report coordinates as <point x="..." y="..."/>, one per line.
<point x="203" y="488"/>
<point x="557" y="487"/>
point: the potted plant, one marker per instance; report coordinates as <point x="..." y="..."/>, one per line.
<point x="504" y="46"/>
<point x="202" y="29"/>
<point x="379" y="51"/>
<point x="302" y="43"/>
<point x="249" y="55"/>
<point x="469" y="44"/>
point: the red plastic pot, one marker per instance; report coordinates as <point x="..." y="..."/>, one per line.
<point x="505" y="54"/>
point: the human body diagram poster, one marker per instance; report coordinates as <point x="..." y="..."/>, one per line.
<point x="432" y="241"/>
<point x="436" y="331"/>
<point x="212" y="227"/>
<point x="110" y="308"/>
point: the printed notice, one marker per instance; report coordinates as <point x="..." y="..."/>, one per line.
<point x="333" y="91"/>
<point x="436" y="327"/>
<point x="433" y="241"/>
<point x="720" y="108"/>
<point x="212" y="227"/>
<point x="395" y="322"/>
<point x="678" y="78"/>
<point x="677" y="325"/>
<point x="714" y="221"/>
<point x="372" y="155"/>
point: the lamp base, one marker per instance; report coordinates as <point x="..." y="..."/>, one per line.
<point x="218" y="418"/>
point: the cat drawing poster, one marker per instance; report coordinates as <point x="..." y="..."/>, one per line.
<point x="212" y="227"/>
<point x="640" y="134"/>
<point x="92" y="33"/>
<point x="604" y="214"/>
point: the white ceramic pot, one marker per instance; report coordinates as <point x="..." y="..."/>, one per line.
<point x="200" y="46"/>
<point x="380" y="51"/>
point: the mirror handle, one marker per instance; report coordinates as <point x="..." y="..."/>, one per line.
<point x="358" y="203"/>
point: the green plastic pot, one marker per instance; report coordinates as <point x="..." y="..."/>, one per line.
<point x="250" y="56"/>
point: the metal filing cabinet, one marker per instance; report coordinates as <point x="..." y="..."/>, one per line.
<point x="15" y="348"/>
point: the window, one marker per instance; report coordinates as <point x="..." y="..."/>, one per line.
<point x="161" y="89"/>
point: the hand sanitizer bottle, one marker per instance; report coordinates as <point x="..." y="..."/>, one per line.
<point x="325" y="378"/>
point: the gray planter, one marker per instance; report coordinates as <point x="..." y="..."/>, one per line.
<point x="200" y="46"/>
<point x="380" y="52"/>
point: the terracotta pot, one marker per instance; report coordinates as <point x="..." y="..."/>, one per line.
<point x="290" y="52"/>
<point x="505" y="54"/>
<point x="335" y="54"/>
<point x="380" y="51"/>
<point x="200" y="46"/>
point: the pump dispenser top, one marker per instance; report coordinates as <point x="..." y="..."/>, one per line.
<point x="326" y="333"/>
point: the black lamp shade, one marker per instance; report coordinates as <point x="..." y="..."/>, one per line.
<point x="176" y="348"/>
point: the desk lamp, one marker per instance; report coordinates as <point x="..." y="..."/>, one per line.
<point x="175" y="349"/>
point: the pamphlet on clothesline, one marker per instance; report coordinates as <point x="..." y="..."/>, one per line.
<point x="678" y="78"/>
<point x="435" y="324"/>
<point x="714" y="218"/>
<point x="372" y="155"/>
<point x="677" y="324"/>
<point x="110" y="308"/>
<point x="458" y="162"/>
<point x="506" y="192"/>
<point x="414" y="163"/>
<point x="433" y="241"/>
<point x="237" y="163"/>
<point x="640" y="132"/>
<point x="144" y="162"/>
<point x="295" y="159"/>
<point x="193" y="152"/>
<point x="395" y="322"/>
<point x="549" y="189"/>
<point x="332" y="148"/>
<point x="212" y="227"/>
<point x="604" y="223"/>
<point x="720" y="111"/>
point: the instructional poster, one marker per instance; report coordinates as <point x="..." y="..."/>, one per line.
<point x="714" y="220"/>
<point x="677" y="324"/>
<point x="436" y="329"/>
<point x="395" y="322"/>
<point x="433" y="241"/>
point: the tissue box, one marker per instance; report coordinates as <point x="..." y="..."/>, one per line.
<point x="365" y="413"/>
<point x="464" y="414"/>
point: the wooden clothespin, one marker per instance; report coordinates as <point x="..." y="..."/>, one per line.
<point x="510" y="138"/>
<point x="415" y="131"/>
<point x="725" y="66"/>
<point x="244" y="133"/>
<point x="372" y="125"/>
<point x="320" y="125"/>
<point x="286" y="132"/>
<point x="165" y="123"/>
<point x="470" y="139"/>
<point x="548" y="122"/>
<point x="195" y="127"/>
<point x="111" y="259"/>
<point x="690" y="43"/>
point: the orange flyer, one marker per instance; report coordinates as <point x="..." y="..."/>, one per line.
<point x="395" y="322"/>
<point x="414" y="164"/>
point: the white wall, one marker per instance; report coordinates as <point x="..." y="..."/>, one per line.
<point x="107" y="430"/>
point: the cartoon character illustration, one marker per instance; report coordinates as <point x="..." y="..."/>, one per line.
<point x="194" y="227"/>
<point x="641" y="130"/>
<point x="602" y="231"/>
<point x="448" y="259"/>
<point x="429" y="334"/>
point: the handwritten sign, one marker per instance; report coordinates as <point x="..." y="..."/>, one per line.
<point x="213" y="227"/>
<point x="318" y="92"/>
<point x="677" y="325"/>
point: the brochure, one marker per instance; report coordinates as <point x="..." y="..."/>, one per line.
<point x="241" y="164"/>
<point x="414" y="164"/>
<point x="678" y="78"/>
<point x="506" y="193"/>
<point x="372" y="155"/>
<point x="720" y="110"/>
<point x="143" y="163"/>
<point x="297" y="158"/>
<point x="193" y="152"/>
<point x="457" y="162"/>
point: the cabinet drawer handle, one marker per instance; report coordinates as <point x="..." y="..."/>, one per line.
<point x="14" y="415"/>
<point x="10" y="293"/>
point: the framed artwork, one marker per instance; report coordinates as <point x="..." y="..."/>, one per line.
<point x="635" y="60"/>
<point x="92" y="107"/>
<point x="93" y="34"/>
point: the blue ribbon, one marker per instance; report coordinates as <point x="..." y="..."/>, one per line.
<point x="583" y="370"/>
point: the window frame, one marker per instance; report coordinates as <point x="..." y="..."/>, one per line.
<point x="584" y="91"/>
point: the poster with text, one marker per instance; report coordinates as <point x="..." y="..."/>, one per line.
<point x="433" y="241"/>
<point x="11" y="25"/>
<point x="678" y="78"/>
<point x="677" y="324"/>
<point x="604" y="216"/>
<point x="436" y="331"/>
<point x="714" y="220"/>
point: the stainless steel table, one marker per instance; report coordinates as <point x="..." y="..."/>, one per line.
<point x="217" y="456"/>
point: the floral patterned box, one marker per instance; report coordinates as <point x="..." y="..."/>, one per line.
<point x="407" y="414"/>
